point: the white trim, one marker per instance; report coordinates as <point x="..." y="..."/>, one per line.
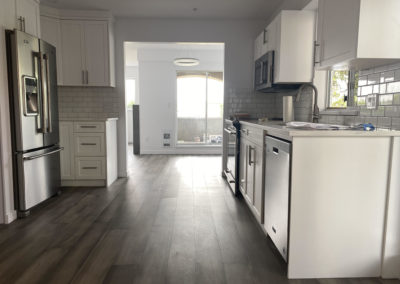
<point x="183" y="151"/>
<point x="10" y="217"/>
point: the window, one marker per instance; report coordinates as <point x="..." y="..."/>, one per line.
<point x="199" y="107"/>
<point x="130" y="90"/>
<point x="343" y="84"/>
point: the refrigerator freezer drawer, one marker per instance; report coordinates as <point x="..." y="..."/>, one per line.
<point x="38" y="177"/>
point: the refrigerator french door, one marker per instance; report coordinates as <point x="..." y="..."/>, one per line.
<point x="34" y="118"/>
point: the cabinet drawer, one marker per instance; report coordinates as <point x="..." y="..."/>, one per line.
<point x="90" y="168"/>
<point x="87" y="126"/>
<point x="89" y="144"/>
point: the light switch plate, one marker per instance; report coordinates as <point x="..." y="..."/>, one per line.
<point x="372" y="101"/>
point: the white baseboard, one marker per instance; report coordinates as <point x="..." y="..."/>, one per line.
<point x="183" y="151"/>
<point x="122" y="174"/>
<point x="10" y="217"/>
<point x="88" y="183"/>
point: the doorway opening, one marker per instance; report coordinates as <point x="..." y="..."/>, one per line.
<point x="179" y="90"/>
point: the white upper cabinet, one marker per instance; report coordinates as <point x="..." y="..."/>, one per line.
<point x="85" y="46"/>
<point x="291" y="36"/>
<point x="96" y="53"/>
<point x="28" y="16"/>
<point x="86" y="53"/>
<point x="357" y="34"/>
<point x="50" y="29"/>
<point x="293" y="43"/>
<point x="72" y="43"/>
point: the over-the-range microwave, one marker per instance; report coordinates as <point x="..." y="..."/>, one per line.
<point x="264" y="75"/>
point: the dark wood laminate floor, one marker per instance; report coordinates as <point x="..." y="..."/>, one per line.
<point x="173" y="220"/>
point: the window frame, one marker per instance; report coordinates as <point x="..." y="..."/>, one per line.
<point x="351" y="90"/>
<point x="199" y="72"/>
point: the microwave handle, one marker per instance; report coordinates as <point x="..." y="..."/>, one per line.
<point x="262" y="71"/>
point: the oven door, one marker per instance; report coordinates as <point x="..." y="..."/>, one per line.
<point x="231" y="158"/>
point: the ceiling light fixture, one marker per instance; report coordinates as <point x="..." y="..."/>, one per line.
<point x="186" y="61"/>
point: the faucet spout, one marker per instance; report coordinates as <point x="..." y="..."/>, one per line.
<point x="315" y="109"/>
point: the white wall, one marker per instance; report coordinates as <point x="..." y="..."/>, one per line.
<point x="7" y="212"/>
<point x="131" y="72"/>
<point x="238" y="37"/>
<point x="157" y="89"/>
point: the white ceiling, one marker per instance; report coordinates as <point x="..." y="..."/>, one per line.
<point x="198" y="9"/>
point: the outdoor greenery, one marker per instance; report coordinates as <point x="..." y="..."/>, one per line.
<point x="339" y="82"/>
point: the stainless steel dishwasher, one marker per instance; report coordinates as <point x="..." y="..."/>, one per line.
<point x="277" y="186"/>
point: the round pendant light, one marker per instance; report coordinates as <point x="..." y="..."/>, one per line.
<point x="186" y="61"/>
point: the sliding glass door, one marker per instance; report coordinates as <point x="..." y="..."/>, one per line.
<point x="200" y="98"/>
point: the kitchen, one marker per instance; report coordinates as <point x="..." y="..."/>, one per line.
<point x="236" y="259"/>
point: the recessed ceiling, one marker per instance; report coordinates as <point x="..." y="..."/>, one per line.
<point x="197" y="9"/>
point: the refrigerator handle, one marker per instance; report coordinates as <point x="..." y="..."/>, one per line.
<point x="48" y="94"/>
<point x="44" y="92"/>
<point x="43" y="155"/>
<point x="40" y="118"/>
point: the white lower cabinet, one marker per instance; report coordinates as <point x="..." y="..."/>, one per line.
<point x="251" y="175"/>
<point x="90" y="168"/>
<point x="90" y="156"/>
<point x="67" y="155"/>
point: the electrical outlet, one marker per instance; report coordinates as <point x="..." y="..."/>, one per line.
<point x="166" y="138"/>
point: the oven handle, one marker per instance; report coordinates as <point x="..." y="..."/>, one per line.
<point x="229" y="131"/>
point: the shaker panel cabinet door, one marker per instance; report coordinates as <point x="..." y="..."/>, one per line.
<point x="72" y="42"/>
<point x="67" y="155"/>
<point x="250" y="173"/>
<point x="337" y="30"/>
<point x="258" y="184"/>
<point x="97" y="53"/>
<point x="242" y="166"/>
<point x="29" y="11"/>
<point x="51" y="33"/>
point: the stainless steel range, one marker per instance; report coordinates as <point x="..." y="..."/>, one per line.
<point x="231" y="171"/>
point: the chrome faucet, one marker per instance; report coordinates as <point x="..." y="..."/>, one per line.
<point x="315" y="110"/>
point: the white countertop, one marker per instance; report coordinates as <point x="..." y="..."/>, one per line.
<point x="88" y="119"/>
<point x="279" y="129"/>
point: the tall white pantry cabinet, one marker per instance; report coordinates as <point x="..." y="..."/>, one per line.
<point x="85" y="46"/>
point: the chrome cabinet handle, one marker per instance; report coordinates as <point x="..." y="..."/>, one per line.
<point x="88" y="144"/>
<point x="83" y="77"/>
<point x="87" y="126"/>
<point x="87" y="77"/>
<point x="317" y="46"/>
<point x="89" y="168"/>
<point x="261" y="73"/>
<point x="250" y="160"/>
<point x="43" y="155"/>
<point x="265" y="36"/>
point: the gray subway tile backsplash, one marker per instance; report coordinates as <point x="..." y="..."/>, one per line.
<point x="387" y="114"/>
<point x="88" y="102"/>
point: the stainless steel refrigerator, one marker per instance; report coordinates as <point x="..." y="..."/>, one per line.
<point x="34" y="117"/>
